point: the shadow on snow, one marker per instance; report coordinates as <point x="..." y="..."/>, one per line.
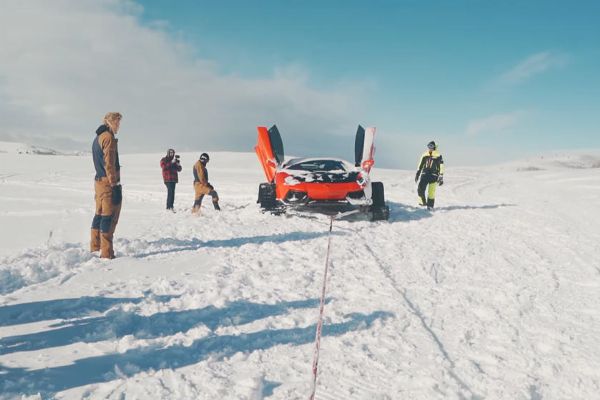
<point x="404" y="212"/>
<point x="176" y="245"/>
<point x="114" y="366"/>
<point x="117" y="324"/>
<point x="25" y="313"/>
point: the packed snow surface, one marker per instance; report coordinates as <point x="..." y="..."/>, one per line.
<point x="494" y="295"/>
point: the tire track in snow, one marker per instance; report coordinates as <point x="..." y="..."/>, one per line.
<point x="354" y="386"/>
<point x="417" y="312"/>
<point x="466" y="182"/>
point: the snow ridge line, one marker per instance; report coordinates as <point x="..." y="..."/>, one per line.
<point x="415" y="311"/>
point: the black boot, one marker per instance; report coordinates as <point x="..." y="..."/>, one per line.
<point x="430" y="203"/>
<point x="197" y="205"/>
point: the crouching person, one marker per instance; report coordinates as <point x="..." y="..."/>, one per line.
<point x="201" y="185"/>
<point x="107" y="185"/>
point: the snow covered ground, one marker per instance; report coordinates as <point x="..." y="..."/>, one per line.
<point x="495" y="295"/>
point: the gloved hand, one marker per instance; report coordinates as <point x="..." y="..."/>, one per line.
<point x="117" y="195"/>
<point x="417" y="176"/>
<point x="441" y="180"/>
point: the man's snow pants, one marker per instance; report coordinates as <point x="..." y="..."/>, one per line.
<point x="200" y="191"/>
<point x="428" y="182"/>
<point x="170" y="194"/>
<point x="105" y="220"/>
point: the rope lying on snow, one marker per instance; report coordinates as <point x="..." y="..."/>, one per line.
<point x="315" y="365"/>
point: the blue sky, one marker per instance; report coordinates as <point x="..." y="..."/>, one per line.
<point x="430" y="68"/>
<point x="489" y="81"/>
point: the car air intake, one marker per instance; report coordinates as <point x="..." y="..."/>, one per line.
<point x="296" y="197"/>
<point x="359" y="194"/>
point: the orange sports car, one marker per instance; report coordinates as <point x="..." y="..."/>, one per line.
<point x="322" y="184"/>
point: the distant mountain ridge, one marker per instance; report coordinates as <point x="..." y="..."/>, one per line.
<point x="23" y="148"/>
<point x="567" y="159"/>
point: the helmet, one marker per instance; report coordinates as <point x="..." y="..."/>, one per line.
<point x="204" y="157"/>
<point x="431" y="145"/>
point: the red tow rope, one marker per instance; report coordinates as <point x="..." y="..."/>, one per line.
<point x="315" y="365"/>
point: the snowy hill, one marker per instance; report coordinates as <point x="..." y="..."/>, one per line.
<point x="577" y="160"/>
<point x="494" y="295"/>
<point x="22" y="148"/>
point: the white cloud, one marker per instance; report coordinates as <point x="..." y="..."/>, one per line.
<point x="64" y="63"/>
<point x="533" y="65"/>
<point x="495" y="123"/>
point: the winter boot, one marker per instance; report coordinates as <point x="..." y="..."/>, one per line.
<point x="95" y="235"/>
<point x="197" y="205"/>
<point x="430" y="203"/>
<point x="106" y="246"/>
<point x="95" y="240"/>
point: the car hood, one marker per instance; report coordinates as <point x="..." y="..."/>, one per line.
<point x="298" y="176"/>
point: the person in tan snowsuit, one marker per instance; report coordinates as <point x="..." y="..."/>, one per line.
<point x="107" y="185"/>
<point x="201" y="185"/>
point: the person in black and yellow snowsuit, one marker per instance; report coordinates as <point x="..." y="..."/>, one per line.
<point x="107" y="185"/>
<point x="431" y="174"/>
<point x="201" y="185"/>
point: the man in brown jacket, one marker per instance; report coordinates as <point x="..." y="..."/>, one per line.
<point x="107" y="185"/>
<point x="201" y="185"/>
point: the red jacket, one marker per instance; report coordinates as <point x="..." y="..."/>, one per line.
<point x="170" y="169"/>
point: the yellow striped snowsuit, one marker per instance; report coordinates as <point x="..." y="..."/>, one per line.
<point x="430" y="168"/>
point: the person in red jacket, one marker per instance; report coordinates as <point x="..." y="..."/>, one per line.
<point x="170" y="167"/>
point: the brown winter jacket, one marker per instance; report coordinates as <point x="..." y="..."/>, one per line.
<point x="200" y="173"/>
<point x="106" y="156"/>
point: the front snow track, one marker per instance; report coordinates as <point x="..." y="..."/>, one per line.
<point x="494" y="295"/>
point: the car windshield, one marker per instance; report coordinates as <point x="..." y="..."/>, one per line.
<point x="319" y="166"/>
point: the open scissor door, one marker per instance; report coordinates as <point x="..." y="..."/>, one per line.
<point x="269" y="149"/>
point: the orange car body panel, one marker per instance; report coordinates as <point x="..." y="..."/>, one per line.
<point x="265" y="153"/>
<point x="315" y="190"/>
